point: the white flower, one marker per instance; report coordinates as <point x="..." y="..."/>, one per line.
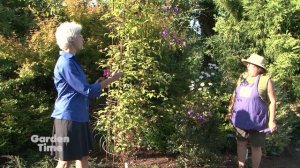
<point x="202" y="72"/>
<point x="202" y="84"/>
<point x="207" y="74"/>
<point x="210" y="84"/>
<point x="212" y="74"/>
<point x="191" y="87"/>
<point x="216" y="67"/>
<point x="201" y="77"/>
<point x="192" y="82"/>
<point x="210" y="67"/>
<point x="200" y="89"/>
<point x="209" y="64"/>
<point x="197" y="80"/>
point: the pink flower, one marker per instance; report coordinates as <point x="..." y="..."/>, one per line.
<point x="106" y="73"/>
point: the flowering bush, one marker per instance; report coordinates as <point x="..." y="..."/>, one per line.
<point x="202" y="88"/>
<point x="204" y="118"/>
<point x="139" y="49"/>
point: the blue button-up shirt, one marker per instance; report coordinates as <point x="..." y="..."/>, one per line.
<point x="74" y="91"/>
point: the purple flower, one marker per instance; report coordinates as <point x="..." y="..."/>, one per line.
<point x="175" y="10"/>
<point x="143" y="1"/>
<point x="164" y="33"/>
<point x="176" y="39"/>
<point x="191" y="112"/>
<point x="200" y="117"/>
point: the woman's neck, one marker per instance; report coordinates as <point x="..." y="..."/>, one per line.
<point x="252" y="75"/>
<point x="70" y="50"/>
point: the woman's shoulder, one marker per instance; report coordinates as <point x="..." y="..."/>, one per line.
<point x="63" y="64"/>
<point x="263" y="81"/>
<point x="243" y="75"/>
<point x="65" y="61"/>
<point x="265" y="77"/>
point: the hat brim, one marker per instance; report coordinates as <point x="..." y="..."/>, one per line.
<point x="245" y="62"/>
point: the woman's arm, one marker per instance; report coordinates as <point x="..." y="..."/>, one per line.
<point x="272" y="106"/>
<point x="69" y="72"/>
<point x="230" y="107"/>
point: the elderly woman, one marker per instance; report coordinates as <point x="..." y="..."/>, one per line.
<point x="252" y="109"/>
<point x="71" y="117"/>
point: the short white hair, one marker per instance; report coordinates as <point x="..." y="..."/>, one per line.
<point x="66" y="33"/>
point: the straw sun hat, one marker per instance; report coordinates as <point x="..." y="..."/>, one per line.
<point x="256" y="60"/>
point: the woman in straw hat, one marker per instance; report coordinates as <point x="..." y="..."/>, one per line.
<point x="252" y="109"/>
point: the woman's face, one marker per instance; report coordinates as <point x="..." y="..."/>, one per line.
<point x="78" y="42"/>
<point x="253" y="70"/>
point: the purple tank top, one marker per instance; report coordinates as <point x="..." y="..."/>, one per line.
<point x="249" y="110"/>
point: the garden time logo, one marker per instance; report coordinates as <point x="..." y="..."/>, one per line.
<point x="42" y="141"/>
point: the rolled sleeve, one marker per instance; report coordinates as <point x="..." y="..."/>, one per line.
<point x="95" y="90"/>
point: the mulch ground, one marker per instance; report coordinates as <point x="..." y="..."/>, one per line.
<point x="156" y="160"/>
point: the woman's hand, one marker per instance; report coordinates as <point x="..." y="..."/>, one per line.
<point x="228" y="116"/>
<point x="272" y="126"/>
<point x="117" y="74"/>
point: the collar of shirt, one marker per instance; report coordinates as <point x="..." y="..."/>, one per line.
<point x="66" y="54"/>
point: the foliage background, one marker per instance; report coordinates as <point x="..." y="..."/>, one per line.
<point x="178" y="76"/>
